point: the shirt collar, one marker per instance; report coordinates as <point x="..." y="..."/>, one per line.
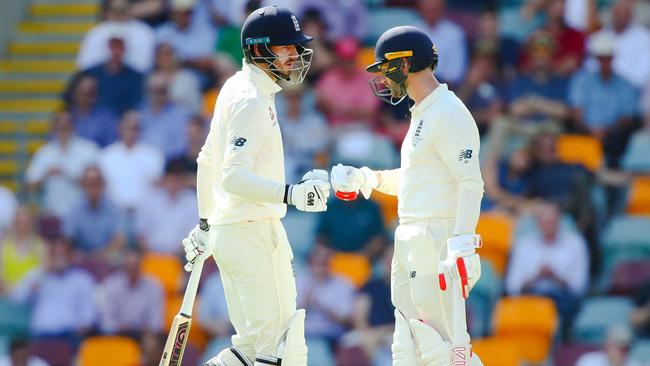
<point x="262" y="81"/>
<point x="426" y="102"/>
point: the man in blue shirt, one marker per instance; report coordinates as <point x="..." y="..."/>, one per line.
<point x="91" y="121"/>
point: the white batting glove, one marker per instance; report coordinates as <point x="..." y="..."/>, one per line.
<point x="308" y="196"/>
<point x="195" y="244"/>
<point x="462" y="263"/>
<point x="316" y="174"/>
<point x="348" y="181"/>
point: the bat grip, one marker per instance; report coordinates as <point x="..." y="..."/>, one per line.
<point x="192" y="287"/>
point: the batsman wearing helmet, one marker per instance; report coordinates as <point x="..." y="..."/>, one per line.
<point x="242" y="196"/>
<point x="439" y="190"/>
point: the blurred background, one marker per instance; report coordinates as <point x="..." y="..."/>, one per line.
<point x="105" y="105"/>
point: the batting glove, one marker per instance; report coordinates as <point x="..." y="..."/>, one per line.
<point x="348" y="181"/>
<point x="462" y="263"/>
<point x="195" y="244"/>
<point x="308" y="196"/>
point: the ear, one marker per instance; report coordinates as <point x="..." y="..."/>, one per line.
<point x="406" y="65"/>
<point x="256" y="50"/>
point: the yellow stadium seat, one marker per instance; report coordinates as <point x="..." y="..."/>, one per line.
<point x="166" y="268"/>
<point x="580" y="149"/>
<point x="388" y="205"/>
<point x="9" y="167"/>
<point x="355" y="267"/>
<point x="10" y="184"/>
<point x="34" y="145"/>
<point x="37" y="127"/>
<point x="497" y="351"/>
<point x="209" y="100"/>
<point x="116" y="351"/>
<point x="365" y="57"/>
<point x="198" y="336"/>
<point x="496" y="232"/>
<point x="530" y="320"/>
<point x="639" y="197"/>
<point x="9" y="127"/>
<point x="8" y="147"/>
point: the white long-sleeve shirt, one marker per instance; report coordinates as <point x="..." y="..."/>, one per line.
<point x="439" y="176"/>
<point x="243" y="152"/>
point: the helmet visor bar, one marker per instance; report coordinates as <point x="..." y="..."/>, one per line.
<point x="296" y="73"/>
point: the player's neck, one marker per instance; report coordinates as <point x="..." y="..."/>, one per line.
<point x="420" y="85"/>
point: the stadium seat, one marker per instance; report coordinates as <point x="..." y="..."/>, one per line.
<point x="496" y="230"/>
<point x="166" y="268"/>
<point x="37" y="127"/>
<point x="388" y="206"/>
<point x="53" y="351"/>
<point x="580" y="149"/>
<point x="198" y="337"/>
<point x="482" y="299"/>
<point x="568" y="354"/>
<point x="530" y="320"/>
<point x="625" y="238"/>
<point x="300" y="230"/>
<point x="501" y="351"/>
<point x="628" y="276"/>
<point x="597" y="314"/>
<point x="120" y="351"/>
<point x="9" y="127"/>
<point x="8" y="146"/>
<point x="319" y="352"/>
<point x="382" y="19"/>
<point x="354" y="267"/>
<point x="365" y="57"/>
<point x="640" y="351"/>
<point x="14" y="320"/>
<point x="638" y="201"/>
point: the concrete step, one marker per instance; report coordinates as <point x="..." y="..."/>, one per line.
<point x="43" y="48"/>
<point x="31" y="87"/>
<point x="30" y="105"/>
<point x="38" y="66"/>
<point x="77" y="9"/>
<point x="20" y="37"/>
<point x="25" y="116"/>
<point x="55" y="27"/>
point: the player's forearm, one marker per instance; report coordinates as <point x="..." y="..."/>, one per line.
<point x="244" y="183"/>
<point x="468" y="207"/>
<point x="388" y="181"/>
<point x="204" y="191"/>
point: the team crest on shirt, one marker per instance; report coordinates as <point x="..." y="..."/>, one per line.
<point x="272" y="116"/>
<point x="416" y="136"/>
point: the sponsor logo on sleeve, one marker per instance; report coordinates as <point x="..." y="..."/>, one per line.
<point x="238" y="141"/>
<point x="465" y="155"/>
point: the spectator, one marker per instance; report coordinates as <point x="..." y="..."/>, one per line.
<point x="489" y="40"/>
<point x="152" y="12"/>
<point x="343" y="18"/>
<point x="193" y="42"/>
<point x="604" y="103"/>
<point x="172" y="203"/>
<point x="184" y="86"/>
<point x="449" y="39"/>
<point x="98" y="124"/>
<point x="163" y="122"/>
<point x="368" y="237"/>
<point x="61" y="298"/>
<point x="631" y="44"/>
<point x="196" y="134"/>
<point x="152" y="346"/>
<point x="213" y="314"/>
<point x="637" y="151"/>
<point x="119" y="86"/>
<point x="520" y="18"/>
<point x="328" y="298"/>
<point x="506" y="181"/>
<point x="138" y="39"/>
<point x="94" y="226"/>
<point x="129" y="166"/>
<point x="304" y="133"/>
<point x="552" y="263"/>
<point x="343" y="93"/>
<point x="57" y="166"/>
<point x="21" y="250"/>
<point x="312" y="23"/>
<point x="570" y="43"/>
<point x="9" y="204"/>
<point x="640" y="317"/>
<point x="141" y="300"/>
<point x="19" y="355"/>
<point x="615" y="352"/>
<point x="217" y="13"/>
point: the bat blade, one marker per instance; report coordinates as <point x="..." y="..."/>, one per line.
<point x="176" y="341"/>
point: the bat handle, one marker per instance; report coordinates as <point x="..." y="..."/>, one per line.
<point x="192" y="287"/>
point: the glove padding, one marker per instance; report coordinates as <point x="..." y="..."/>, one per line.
<point x="348" y="181"/>
<point x="316" y="174"/>
<point x="462" y="264"/>
<point x="195" y="245"/>
<point x="309" y="196"/>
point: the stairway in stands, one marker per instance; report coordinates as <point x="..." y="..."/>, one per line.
<point x="33" y="74"/>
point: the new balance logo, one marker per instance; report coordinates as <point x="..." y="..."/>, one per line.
<point x="413" y="274"/>
<point x="238" y="141"/>
<point x="310" y="198"/>
<point x="465" y="155"/>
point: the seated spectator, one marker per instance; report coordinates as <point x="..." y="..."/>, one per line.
<point x="61" y="298"/>
<point x="21" y="250"/>
<point x="604" y="103"/>
<point x="129" y="166"/>
<point x="163" y="122"/>
<point x="506" y="182"/>
<point x="152" y="12"/>
<point x="552" y="263"/>
<point x="637" y="151"/>
<point x="640" y="317"/>
<point x="367" y="238"/>
<point x="570" y="43"/>
<point x="98" y="124"/>
<point x="449" y="39"/>
<point x="171" y="203"/>
<point x="184" y="86"/>
<point x="9" y="204"/>
<point x="489" y="39"/>
<point x="132" y="303"/>
<point x="342" y="18"/>
<point x="151" y="347"/>
<point x="342" y="93"/>
<point x="615" y="352"/>
<point x="138" y="37"/>
<point x="212" y="313"/>
<point x="327" y="298"/>
<point x="312" y="23"/>
<point x="20" y="355"/>
<point x="196" y="133"/>
<point x="57" y="166"/>
<point x="304" y="133"/>
<point x="193" y="42"/>
<point x="94" y="226"/>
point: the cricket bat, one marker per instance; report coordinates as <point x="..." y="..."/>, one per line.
<point x="180" y="330"/>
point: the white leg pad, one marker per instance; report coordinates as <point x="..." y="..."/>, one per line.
<point x="403" y="348"/>
<point x="434" y="351"/>
<point x="475" y="361"/>
<point x="230" y="357"/>
<point x="293" y="349"/>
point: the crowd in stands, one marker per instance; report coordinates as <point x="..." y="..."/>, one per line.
<point x="111" y="195"/>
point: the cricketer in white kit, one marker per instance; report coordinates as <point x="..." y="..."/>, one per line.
<point x="439" y="189"/>
<point x="242" y="196"/>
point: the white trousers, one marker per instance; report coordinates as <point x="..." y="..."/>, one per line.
<point x="415" y="290"/>
<point x="256" y="267"/>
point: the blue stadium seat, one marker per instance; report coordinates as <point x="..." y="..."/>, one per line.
<point x="597" y="315"/>
<point x="319" y="352"/>
<point x="382" y="19"/>
<point x="14" y="319"/>
<point x="4" y="346"/>
<point x="641" y="350"/>
<point x="301" y="231"/>
<point x="636" y="154"/>
<point x="625" y="238"/>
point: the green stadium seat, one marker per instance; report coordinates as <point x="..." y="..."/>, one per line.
<point x="597" y="315"/>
